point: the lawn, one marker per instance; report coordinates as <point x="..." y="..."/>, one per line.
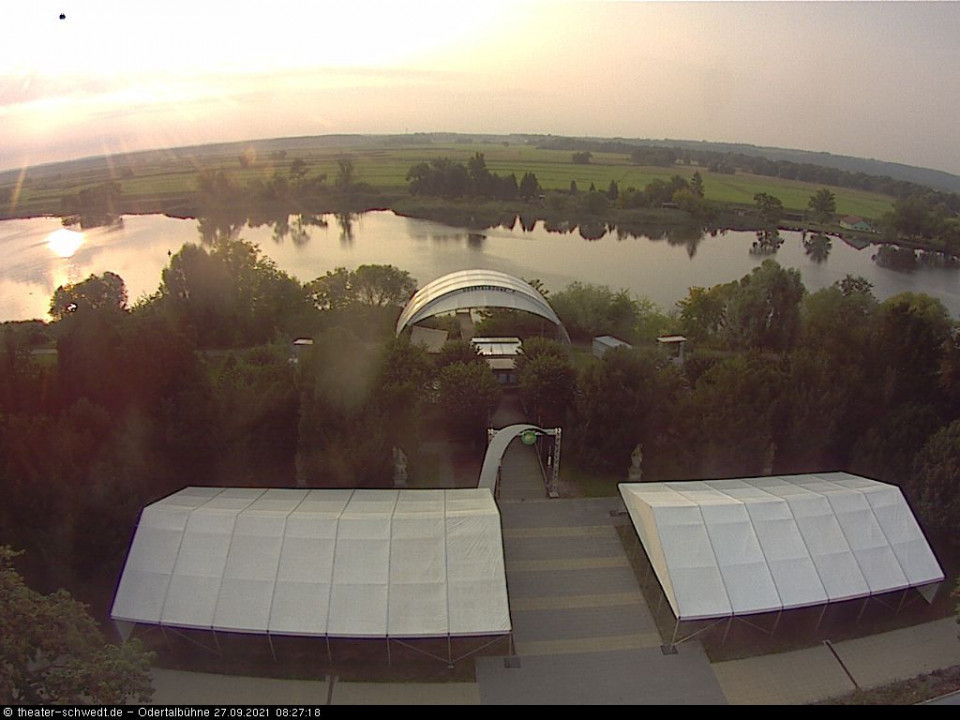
<point x="173" y="174"/>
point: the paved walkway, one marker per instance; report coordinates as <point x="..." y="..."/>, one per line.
<point x="582" y="630"/>
<point x="521" y="477"/>
<point x="816" y="673"/>
<point x="175" y="687"/>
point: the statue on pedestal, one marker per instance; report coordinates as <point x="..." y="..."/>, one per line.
<point x="635" y="474"/>
<point x="399" y="468"/>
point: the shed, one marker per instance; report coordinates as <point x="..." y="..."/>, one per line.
<point x="603" y="343"/>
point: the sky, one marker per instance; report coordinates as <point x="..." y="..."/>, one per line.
<point x="870" y="79"/>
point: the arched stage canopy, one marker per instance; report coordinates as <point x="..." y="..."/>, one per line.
<point x="722" y="548"/>
<point x="466" y="289"/>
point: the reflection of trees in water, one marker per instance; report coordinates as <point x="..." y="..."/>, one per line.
<point x="219" y="227"/>
<point x="892" y="257"/>
<point x="558" y="226"/>
<point x="905" y="259"/>
<point x="818" y="247"/>
<point x="222" y="226"/>
<point x="345" y="223"/>
<point x="767" y="242"/>
<point x="475" y="240"/>
<point x="528" y="222"/>
<point x="689" y="236"/>
<point x="593" y="230"/>
<point x="444" y="238"/>
<point x="299" y="233"/>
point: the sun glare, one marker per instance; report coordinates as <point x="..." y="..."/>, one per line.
<point x="64" y="242"/>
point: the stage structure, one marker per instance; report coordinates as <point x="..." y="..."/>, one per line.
<point x="466" y="289"/>
<point x="732" y="548"/>
<point x="497" y="442"/>
<point x="393" y="564"/>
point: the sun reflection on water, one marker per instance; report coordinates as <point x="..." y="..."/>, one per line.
<point x="64" y="242"/>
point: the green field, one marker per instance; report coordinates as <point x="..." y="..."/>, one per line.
<point x="172" y="174"/>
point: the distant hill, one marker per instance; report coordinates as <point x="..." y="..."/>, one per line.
<point x="936" y="179"/>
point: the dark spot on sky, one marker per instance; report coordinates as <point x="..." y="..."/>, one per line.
<point x="63" y="16"/>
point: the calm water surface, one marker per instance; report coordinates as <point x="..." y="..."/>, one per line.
<point x="32" y="266"/>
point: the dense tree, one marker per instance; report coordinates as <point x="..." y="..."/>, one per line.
<point x="913" y="333"/>
<point x="51" y="650"/>
<point x="770" y="207"/>
<point x="97" y="292"/>
<point x="823" y="204"/>
<point x="546" y="379"/>
<point x="735" y="410"/>
<point x="381" y="285"/>
<point x="467" y="394"/>
<point x="590" y="310"/>
<point x="529" y="188"/>
<point x="840" y="320"/>
<point x="298" y="171"/>
<point x="458" y="351"/>
<point x="346" y="172"/>
<point x="702" y="313"/>
<point x="910" y="218"/>
<point x="624" y="399"/>
<point x="229" y="295"/>
<point x="891" y="440"/>
<point x="342" y="436"/>
<point x="763" y="311"/>
<point x="696" y="184"/>
<point x="581" y="158"/>
<point x="94" y="206"/>
<point x="373" y="285"/>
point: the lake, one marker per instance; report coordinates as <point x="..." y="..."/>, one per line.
<point x="35" y="261"/>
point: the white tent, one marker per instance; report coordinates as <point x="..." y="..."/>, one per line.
<point x="335" y="563"/>
<point x="738" y="547"/>
<point x="466" y="289"/>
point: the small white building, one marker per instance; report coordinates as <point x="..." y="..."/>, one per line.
<point x="298" y="347"/>
<point x="607" y="342"/>
<point x="673" y="344"/>
<point x="501" y="356"/>
<point x="430" y="339"/>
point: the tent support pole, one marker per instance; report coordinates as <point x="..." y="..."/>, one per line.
<point x="329" y="652"/>
<point x="273" y="653"/>
<point x="676" y="626"/>
<point x="902" y="598"/>
<point x="862" y="608"/>
<point x="216" y="641"/>
<point x="726" y="630"/>
<point x="389" y="658"/>
<point x="776" y="623"/>
<point x="166" y="640"/>
<point x="449" y="652"/>
<point x="820" y="619"/>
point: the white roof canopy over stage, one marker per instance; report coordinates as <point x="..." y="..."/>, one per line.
<point x="337" y="563"/>
<point x="737" y="547"/>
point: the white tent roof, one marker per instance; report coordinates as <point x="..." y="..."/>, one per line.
<point x="736" y="547"/>
<point x="351" y="563"/>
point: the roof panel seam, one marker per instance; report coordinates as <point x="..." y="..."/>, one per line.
<point x="853" y="553"/>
